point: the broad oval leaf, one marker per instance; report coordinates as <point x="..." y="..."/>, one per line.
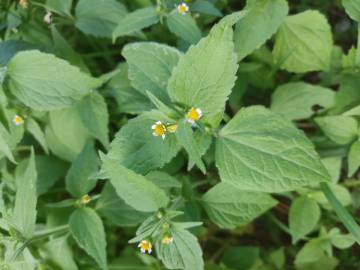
<point x="44" y="82"/>
<point x="136" y="148"/>
<point x="99" y="17"/>
<point x="259" y="150"/>
<point x="259" y="24"/>
<point x="88" y="230"/>
<point x="136" y="21"/>
<point x="304" y="214"/>
<point x="184" y="26"/>
<point x="230" y="207"/>
<point x="150" y="67"/>
<point x="304" y="43"/>
<point x="133" y="188"/>
<point x="352" y="7"/>
<point x="205" y="75"/>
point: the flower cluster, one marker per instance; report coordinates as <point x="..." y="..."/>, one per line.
<point x="183" y="8"/>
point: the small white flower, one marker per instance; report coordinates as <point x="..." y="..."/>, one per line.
<point x="18" y="120"/>
<point x="48" y="17"/>
<point x="193" y="115"/>
<point x="183" y="8"/>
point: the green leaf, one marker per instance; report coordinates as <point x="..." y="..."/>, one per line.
<point x="44" y="82"/>
<point x="66" y="135"/>
<point x="11" y="47"/>
<point x="129" y="99"/>
<point x="348" y="95"/>
<point x="99" y="17"/>
<point x="114" y="209"/>
<point x="186" y="138"/>
<point x="230" y="207"/>
<point x="339" y="240"/>
<point x="304" y="215"/>
<point x="304" y="43"/>
<point x="95" y="117"/>
<point x="333" y="166"/>
<point x="24" y="214"/>
<point x="34" y="129"/>
<point x="342" y="213"/>
<point x="184" y="253"/>
<point x="354" y="158"/>
<point x="340" y="129"/>
<point x="301" y="96"/>
<point x="4" y="147"/>
<point x="352" y="8"/>
<point x="184" y="27"/>
<point x="163" y="180"/>
<point x="205" y="75"/>
<point x="205" y="7"/>
<point x="60" y="252"/>
<point x="259" y="150"/>
<point x="78" y="179"/>
<point x="310" y="252"/>
<point x="241" y="257"/>
<point x="136" y="21"/>
<point x="87" y="229"/>
<point x="259" y="24"/>
<point x="150" y="67"/>
<point x="62" y="7"/>
<point x="138" y="149"/>
<point x="135" y="189"/>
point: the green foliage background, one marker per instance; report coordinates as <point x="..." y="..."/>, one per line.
<point x="266" y="179"/>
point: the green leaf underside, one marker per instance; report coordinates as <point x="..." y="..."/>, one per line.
<point x="44" y="82"/>
<point x="135" y="189"/>
<point x="261" y="151"/>
<point x="136" y="148"/>
<point x="87" y="229"/>
<point x="230" y="207"/>
<point x="304" y="43"/>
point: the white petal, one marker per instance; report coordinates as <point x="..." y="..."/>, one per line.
<point x="143" y="250"/>
<point x="154" y="134"/>
<point x="149" y="251"/>
<point x="158" y="123"/>
<point x="190" y="121"/>
<point x="163" y="136"/>
<point x="153" y="126"/>
<point x="199" y="112"/>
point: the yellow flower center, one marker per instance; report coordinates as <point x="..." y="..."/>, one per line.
<point x="18" y="120"/>
<point x="183" y="8"/>
<point x="145" y="246"/>
<point x="159" y="129"/>
<point x="85" y="199"/>
<point x="172" y="128"/>
<point x="167" y="240"/>
<point x="194" y="114"/>
<point x="23" y="3"/>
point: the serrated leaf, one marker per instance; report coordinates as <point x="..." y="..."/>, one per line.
<point x="136" y="148"/>
<point x="259" y="150"/>
<point x="304" y="215"/>
<point x="301" y="96"/>
<point x="34" y="129"/>
<point x="186" y="138"/>
<point x="205" y="75"/>
<point x="184" y="27"/>
<point x="4" y="147"/>
<point x="99" y="17"/>
<point x="183" y="253"/>
<point x="136" y="21"/>
<point x="114" y="209"/>
<point x="304" y="43"/>
<point x="44" y="82"/>
<point x="24" y="214"/>
<point x="340" y="129"/>
<point x="60" y="252"/>
<point x="95" y="116"/>
<point x="150" y="67"/>
<point x="133" y="188"/>
<point x="230" y="207"/>
<point x="259" y="24"/>
<point x="78" y="179"/>
<point x="88" y="230"/>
